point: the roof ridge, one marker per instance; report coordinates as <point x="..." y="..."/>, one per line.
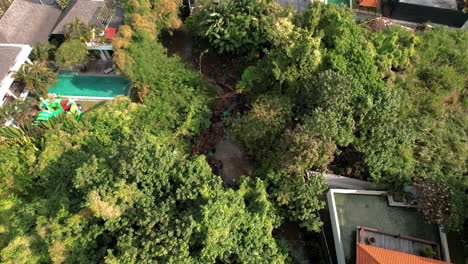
<point x="63" y="14"/>
<point x="360" y="245"/>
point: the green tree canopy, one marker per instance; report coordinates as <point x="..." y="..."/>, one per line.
<point x="232" y="26"/>
<point x="72" y="54"/>
<point x="118" y="194"/>
<point x="385" y="106"/>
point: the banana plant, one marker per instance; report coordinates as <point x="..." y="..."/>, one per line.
<point x="233" y="26"/>
<point x="62" y="122"/>
<point x="22" y="135"/>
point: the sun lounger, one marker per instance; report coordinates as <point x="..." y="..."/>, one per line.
<point x="108" y="70"/>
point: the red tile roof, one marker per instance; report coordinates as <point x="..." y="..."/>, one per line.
<point x="370" y="3"/>
<point x="374" y="255"/>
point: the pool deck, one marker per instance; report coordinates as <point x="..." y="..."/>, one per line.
<point x="88" y="98"/>
<point x="96" y="67"/>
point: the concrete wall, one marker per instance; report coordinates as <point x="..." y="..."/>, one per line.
<point x="295" y="4"/>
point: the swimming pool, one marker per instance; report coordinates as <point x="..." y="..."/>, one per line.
<point x="105" y="87"/>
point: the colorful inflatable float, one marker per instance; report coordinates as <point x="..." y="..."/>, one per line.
<point x="49" y="108"/>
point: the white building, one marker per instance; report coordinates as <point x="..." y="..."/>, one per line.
<point x="12" y="57"/>
<point x="24" y="24"/>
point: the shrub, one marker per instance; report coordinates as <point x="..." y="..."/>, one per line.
<point x="63" y="3"/>
<point x="232" y="26"/>
<point x="42" y="52"/>
<point x="260" y="129"/>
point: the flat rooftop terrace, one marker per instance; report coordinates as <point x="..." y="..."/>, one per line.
<point x="396" y="242"/>
<point x="446" y="4"/>
<point x="364" y="210"/>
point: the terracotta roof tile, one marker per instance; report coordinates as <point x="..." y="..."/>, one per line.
<point x="374" y="255"/>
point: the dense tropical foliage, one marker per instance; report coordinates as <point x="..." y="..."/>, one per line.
<point x="42" y="52"/>
<point x="118" y="194"/>
<point x="386" y="105"/>
<point x="324" y="94"/>
<point x="232" y="26"/>
<point x="72" y="54"/>
<point x="77" y="30"/>
<point x="37" y="77"/>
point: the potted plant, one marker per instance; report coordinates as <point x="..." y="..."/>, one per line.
<point x="371" y="240"/>
<point x="428" y="252"/>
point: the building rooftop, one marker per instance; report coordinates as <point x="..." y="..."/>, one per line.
<point x="421" y="11"/>
<point x="12" y="57"/>
<point x="300" y="5"/>
<point x="28" y="22"/>
<point x="91" y="12"/>
<point x="445" y="4"/>
<point x="350" y="209"/>
<point x="8" y="55"/>
<point x="396" y="242"/>
<point x="373" y="255"/>
<point x="86" y="11"/>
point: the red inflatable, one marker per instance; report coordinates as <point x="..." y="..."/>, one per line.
<point x="64" y="105"/>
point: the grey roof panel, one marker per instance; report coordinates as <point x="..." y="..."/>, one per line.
<point x="85" y="10"/>
<point x="28" y="22"/>
<point x="8" y="55"/>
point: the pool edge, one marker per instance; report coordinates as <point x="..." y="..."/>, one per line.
<point x="87" y="98"/>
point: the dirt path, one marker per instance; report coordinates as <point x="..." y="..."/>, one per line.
<point x="234" y="161"/>
<point x="179" y="43"/>
<point x="297" y="242"/>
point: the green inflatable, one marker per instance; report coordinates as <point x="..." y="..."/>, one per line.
<point x="48" y="110"/>
<point x="44" y="103"/>
<point x="44" y="115"/>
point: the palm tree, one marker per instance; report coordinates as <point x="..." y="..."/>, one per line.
<point x="37" y="77"/>
<point x="42" y="52"/>
<point x="77" y="30"/>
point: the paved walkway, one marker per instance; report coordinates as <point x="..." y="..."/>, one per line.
<point x="341" y="182"/>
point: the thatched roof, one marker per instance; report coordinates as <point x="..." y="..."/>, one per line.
<point x="8" y="55"/>
<point x="85" y="10"/>
<point x="27" y="22"/>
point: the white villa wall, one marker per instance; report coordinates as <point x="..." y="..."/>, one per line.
<point x="7" y="81"/>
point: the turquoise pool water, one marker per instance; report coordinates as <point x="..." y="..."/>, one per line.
<point x="70" y="84"/>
